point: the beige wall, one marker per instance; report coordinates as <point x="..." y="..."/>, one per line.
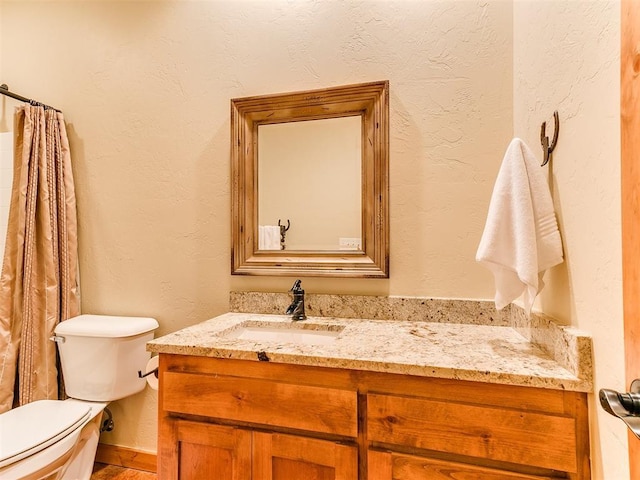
<point x="1" y="9"/>
<point x="4" y="120"/>
<point x="145" y="87"/>
<point x="566" y="58"/>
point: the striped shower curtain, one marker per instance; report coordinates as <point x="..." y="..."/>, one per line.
<point x="38" y="283"/>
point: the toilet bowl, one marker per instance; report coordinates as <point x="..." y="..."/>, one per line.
<point x="57" y="439"/>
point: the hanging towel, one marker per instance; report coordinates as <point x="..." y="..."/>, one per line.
<point x="269" y="237"/>
<point x="521" y="238"/>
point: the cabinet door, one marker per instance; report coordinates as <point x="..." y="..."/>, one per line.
<point x="395" y="466"/>
<point x="287" y="457"/>
<point x="206" y="451"/>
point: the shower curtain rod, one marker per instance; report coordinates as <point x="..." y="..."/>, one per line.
<point x="4" y="90"/>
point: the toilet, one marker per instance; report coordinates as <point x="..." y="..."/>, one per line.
<point x="57" y="439"/>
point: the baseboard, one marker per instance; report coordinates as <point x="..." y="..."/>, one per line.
<point x="126" y="457"/>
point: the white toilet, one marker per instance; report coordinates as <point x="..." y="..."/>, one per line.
<point x="54" y="439"/>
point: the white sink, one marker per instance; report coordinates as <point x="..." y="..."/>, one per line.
<point x="261" y="332"/>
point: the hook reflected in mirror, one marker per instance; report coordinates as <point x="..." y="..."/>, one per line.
<point x="283" y="233"/>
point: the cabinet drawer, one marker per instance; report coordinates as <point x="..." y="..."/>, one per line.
<point x="515" y="436"/>
<point x="265" y="402"/>
<point x="396" y="466"/>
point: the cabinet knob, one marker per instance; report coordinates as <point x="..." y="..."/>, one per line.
<point x="625" y="406"/>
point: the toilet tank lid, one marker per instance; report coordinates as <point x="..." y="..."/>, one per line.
<point x="106" y="326"/>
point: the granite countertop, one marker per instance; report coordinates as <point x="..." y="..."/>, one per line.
<point x="486" y="353"/>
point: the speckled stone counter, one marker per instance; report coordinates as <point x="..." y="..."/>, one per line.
<point x="465" y="351"/>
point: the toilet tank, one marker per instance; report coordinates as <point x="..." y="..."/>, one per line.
<point x="101" y="355"/>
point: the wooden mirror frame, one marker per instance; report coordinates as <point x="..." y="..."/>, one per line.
<point x="371" y="102"/>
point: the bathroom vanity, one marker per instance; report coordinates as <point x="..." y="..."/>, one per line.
<point x="243" y="397"/>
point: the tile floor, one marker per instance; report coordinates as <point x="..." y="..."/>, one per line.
<point x="111" y="472"/>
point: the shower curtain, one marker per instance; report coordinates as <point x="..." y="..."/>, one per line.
<point x="38" y="282"/>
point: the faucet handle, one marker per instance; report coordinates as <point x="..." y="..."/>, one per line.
<point x="296" y="286"/>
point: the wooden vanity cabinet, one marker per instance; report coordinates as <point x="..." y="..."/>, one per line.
<point x="231" y="419"/>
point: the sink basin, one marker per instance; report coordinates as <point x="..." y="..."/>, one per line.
<point x="274" y="333"/>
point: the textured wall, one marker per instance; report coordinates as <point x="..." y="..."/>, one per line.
<point x="566" y="58"/>
<point x="4" y="121"/>
<point x="145" y="88"/>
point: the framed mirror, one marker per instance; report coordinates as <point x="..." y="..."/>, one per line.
<point x="309" y="173"/>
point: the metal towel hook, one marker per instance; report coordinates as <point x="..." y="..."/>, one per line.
<point x="547" y="149"/>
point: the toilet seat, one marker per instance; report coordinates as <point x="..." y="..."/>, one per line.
<point x="37" y="425"/>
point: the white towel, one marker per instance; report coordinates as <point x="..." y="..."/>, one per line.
<point x="268" y="237"/>
<point x="521" y="238"/>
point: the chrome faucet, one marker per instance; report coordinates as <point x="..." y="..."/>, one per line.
<point x="297" y="306"/>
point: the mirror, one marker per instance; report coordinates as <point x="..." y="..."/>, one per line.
<point x="310" y="182"/>
<point x="309" y="172"/>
